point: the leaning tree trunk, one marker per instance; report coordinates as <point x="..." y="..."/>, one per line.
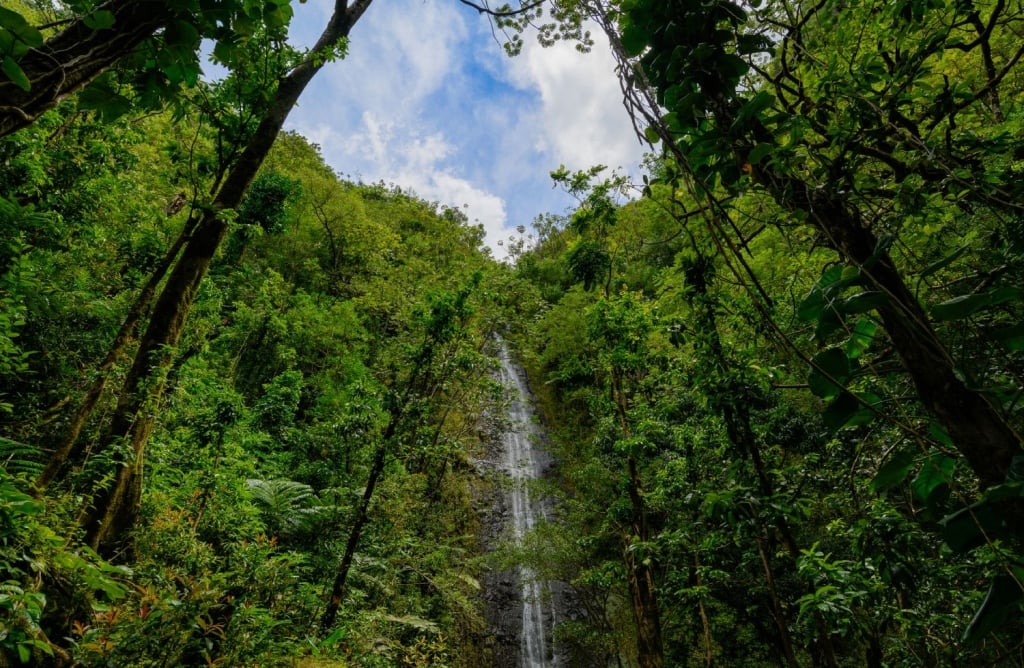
<point x="979" y="431"/>
<point x="69" y="439"/>
<point x="114" y="508"/>
<point x="74" y="57"/>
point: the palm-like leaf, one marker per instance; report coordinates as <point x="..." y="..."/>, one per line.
<point x="289" y="508"/>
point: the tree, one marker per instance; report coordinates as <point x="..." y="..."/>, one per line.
<point x="407" y="405"/>
<point x="718" y="132"/>
<point x="114" y="509"/>
<point x="157" y="43"/>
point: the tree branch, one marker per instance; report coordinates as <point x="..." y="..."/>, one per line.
<point x="503" y="14"/>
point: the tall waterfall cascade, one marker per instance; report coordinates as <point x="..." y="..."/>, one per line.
<point x="523" y="463"/>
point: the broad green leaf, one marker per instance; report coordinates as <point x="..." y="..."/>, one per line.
<point x="759" y="152"/>
<point x="939" y="435"/>
<point x="752" y="43"/>
<point x="1016" y="472"/>
<point x="860" y="338"/>
<point x="732" y="68"/>
<point x="844" y="411"/>
<point x="1012" y="337"/>
<point x="967" y="305"/>
<point x="1003" y="598"/>
<point x="932" y="480"/>
<point x="100" y="97"/>
<point x="893" y="472"/>
<point x="814" y="303"/>
<point x="829" y="372"/>
<point x="16" y="24"/>
<point x="634" y="39"/>
<point x="16" y="74"/>
<point x="101" y="19"/>
<point x="756" y="105"/>
<point x="869" y="300"/>
<point x="966" y="529"/>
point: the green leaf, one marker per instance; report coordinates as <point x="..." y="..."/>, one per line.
<point x="869" y="300"/>
<point x="967" y="305"/>
<point x="829" y="372"/>
<point x="860" y="338"/>
<point x="100" y="97"/>
<point x="966" y="529"/>
<point x="1003" y="598"/>
<point x="634" y="39"/>
<point x="16" y="24"/>
<point x="1016" y="472"/>
<point x="842" y="412"/>
<point x="938" y="434"/>
<point x="932" y="481"/>
<point x="101" y="19"/>
<point x="752" y="43"/>
<point x="1011" y="337"/>
<point x="15" y="73"/>
<point x="759" y="152"/>
<point x="893" y="472"/>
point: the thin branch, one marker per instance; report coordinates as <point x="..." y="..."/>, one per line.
<point x="506" y="13"/>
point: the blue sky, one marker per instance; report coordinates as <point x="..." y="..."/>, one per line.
<point x="428" y="100"/>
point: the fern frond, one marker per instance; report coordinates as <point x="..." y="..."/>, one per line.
<point x="288" y="507"/>
<point x="20" y="459"/>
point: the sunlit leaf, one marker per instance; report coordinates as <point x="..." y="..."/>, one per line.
<point x="16" y="74"/>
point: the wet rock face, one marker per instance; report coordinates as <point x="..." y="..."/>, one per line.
<point x="519" y="612"/>
<point x="500" y="589"/>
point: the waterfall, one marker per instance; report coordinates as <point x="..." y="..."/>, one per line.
<point x="523" y="464"/>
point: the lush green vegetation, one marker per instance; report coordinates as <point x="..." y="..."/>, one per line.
<point x="240" y="396"/>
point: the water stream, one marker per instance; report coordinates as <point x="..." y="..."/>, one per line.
<point x="523" y="463"/>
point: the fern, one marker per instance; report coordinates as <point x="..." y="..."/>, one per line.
<point x="289" y="508"/>
<point x="20" y="459"/>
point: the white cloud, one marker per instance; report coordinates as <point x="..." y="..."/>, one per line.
<point x="582" y="121"/>
<point x="427" y="101"/>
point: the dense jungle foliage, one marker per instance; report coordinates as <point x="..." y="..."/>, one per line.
<point x="241" y="398"/>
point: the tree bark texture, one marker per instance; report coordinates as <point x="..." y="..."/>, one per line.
<point x="362" y="516"/>
<point x="974" y="424"/>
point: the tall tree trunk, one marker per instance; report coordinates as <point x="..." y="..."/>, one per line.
<point x="639" y="570"/>
<point x="974" y="424"/>
<point x="979" y="431"/>
<point x="642" y="587"/>
<point x="114" y="509"/>
<point x="66" y="448"/>
<point x="71" y="59"/>
<point x="977" y="428"/>
<point x="705" y="622"/>
<point x="362" y="516"/>
<point x="778" y="611"/>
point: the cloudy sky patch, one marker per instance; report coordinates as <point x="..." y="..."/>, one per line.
<point x="427" y="100"/>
